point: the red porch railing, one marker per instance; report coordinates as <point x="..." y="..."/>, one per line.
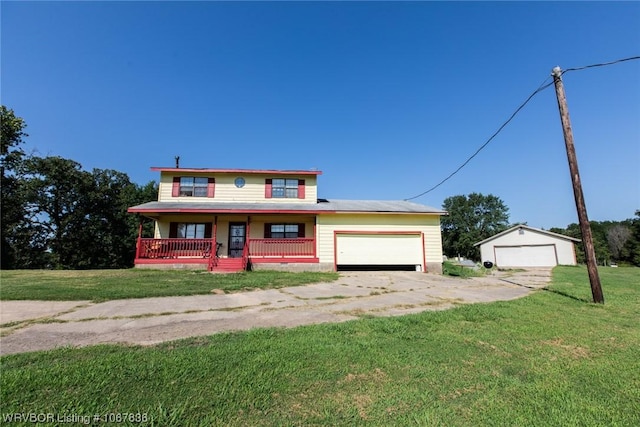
<point x="202" y="248"/>
<point x="282" y="248"/>
<point x="175" y="248"/>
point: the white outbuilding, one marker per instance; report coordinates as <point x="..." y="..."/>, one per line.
<point x="524" y="246"/>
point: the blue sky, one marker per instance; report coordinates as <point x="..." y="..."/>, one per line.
<point x="386" y="98"/>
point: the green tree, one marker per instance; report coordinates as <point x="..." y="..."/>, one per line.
<point x="58" y="194"/>
<point x="612" y="240"/>
<point x="12" y="133"/>
<point x="11" y="200"/>
<point x="471" y="219"/>
<point x="56" y="215"/>
<point x="137" y="196"/>
<point x="80" y="218"/>
<point x="617" y="237"/>
<point x="632" y="246"/>
<point x="600" y="243"/>
<point x="109" y="224"/>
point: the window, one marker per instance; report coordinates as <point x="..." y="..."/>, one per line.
<point x="191" y="231"/>
<point x="193" y="186"/>
<point x="182" y="230"/>
<point x="284" y="188"/>
<point x="283" y="231"/>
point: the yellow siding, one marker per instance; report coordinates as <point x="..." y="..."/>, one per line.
<point x="427" y="224"/>
<point x="226" y="191"/>
<point x="164" y="189"/>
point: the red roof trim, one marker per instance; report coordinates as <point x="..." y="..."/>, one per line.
<point x="244" y="171"/>
<point x="271" y="211"/>
<point x="239" y="211"/>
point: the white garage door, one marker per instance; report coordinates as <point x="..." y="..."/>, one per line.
<point x="379" y="249"/>
<point x="526" y="256"/>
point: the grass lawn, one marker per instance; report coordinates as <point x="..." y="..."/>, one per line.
<point x="549" y="359"/>
<point x="102" y="285"/>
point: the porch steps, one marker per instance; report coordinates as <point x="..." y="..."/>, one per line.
<point x="228" y="265"/>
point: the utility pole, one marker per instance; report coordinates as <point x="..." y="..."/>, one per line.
<point x="585" y="229"/>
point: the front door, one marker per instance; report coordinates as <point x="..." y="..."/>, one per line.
<point x="237" y="236"/>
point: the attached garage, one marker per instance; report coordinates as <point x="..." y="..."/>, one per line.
<point x="401" y="250"/>
<point x="379" y="235"/>
<point x="523" y="246"/>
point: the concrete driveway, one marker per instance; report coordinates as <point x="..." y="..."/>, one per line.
<point x="43" y="325"/>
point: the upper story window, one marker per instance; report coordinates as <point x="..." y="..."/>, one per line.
<point x="193" y="186"/>
<point x="281" y="188"/>
<point x="287" y="188"/>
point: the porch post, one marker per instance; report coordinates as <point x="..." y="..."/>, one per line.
<point x="315" y="237"/>
<point x="214" y="236"/>
<point x="248" y="231"/>
<point x="139" y="240"/>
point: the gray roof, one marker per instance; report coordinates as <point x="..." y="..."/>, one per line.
<point x="323" y="205"/>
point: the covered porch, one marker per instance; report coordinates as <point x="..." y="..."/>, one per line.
<point x="258" y="250"/>
<point x="227" y="242"/>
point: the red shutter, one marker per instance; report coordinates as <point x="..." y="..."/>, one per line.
<point x="301" y="230"/>
<point x="175" y="191"/>
<point x="211" y="188"/>
<point x="208" y="227"/>
<point x="267" y="188"/>
<point x="301" y="189"/>
<point x="267" y="231"/>
<point x="173" y="230"/>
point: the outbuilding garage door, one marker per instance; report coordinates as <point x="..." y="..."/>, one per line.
<point x="526" y="256"/>
<point x="379" y="249"/>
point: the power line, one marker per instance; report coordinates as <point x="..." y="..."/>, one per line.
<point x="602" y="64"/>
<point x="542" y="87"/>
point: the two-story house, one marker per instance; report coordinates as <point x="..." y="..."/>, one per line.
<point x="234" y="219"/>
